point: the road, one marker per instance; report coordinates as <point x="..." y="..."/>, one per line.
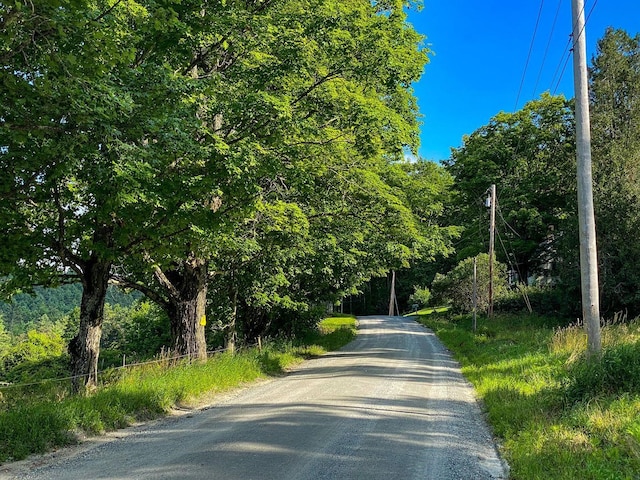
<point x="391" y="405"/>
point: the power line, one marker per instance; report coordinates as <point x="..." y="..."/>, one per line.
<point x="508" y="255"/>
<point x="526" y="65"/>
<point x="566" y="49"/>
<point x="595" y="2"/>
<point x="546" y="50"/>
<point x="505" y="222"/>
<point x="564" y="67"/>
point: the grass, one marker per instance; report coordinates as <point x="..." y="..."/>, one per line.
<point x="428" y="311"/>
<point x="39" y="418"/>
<point x="557" y="414"/>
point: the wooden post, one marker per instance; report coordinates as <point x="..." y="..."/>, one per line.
<point x="392" y="298"/>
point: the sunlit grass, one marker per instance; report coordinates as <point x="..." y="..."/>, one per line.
<point x="429" y="311"/>
<point x="331" y="324"/>
<point x="525" y="372"/>
<point x="36" y="419"/>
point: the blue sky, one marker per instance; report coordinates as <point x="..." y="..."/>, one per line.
<point x="479" y="54"/>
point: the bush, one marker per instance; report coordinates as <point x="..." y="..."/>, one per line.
<point x="551" y="301"/>
<point x="139" y="331"/>
<point x="616" y="371"/>
<point x="420" y="296"/>
<point x="456" y="287"/>
<point x="32" y="348"/>
<point x="38" y="370"/>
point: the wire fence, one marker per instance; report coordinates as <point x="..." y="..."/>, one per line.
<point x="164" y="359"/>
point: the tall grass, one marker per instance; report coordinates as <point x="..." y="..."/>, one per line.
<point x="37" y="418"/>
<point x="558" y="414"/>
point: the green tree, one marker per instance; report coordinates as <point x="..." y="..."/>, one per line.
<point x="529" y="155"/>
<point x="137" y="134"/>
<point x="615" y="107"/>
<point x="322" y="88"/>
<point x="29" y="350"/>
<point x="5" y="338"/>
<point x="98" y="134"/>
<point x="420" y="296"/>
<point x="139" y="331"/>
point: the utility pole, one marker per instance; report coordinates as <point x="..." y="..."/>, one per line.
<point x="392" y="299"/>
<point x="492" y="235"/>
<point x="586" y="217"/>
<point x="475" y="293"/>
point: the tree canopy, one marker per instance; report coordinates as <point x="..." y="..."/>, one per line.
<point x="529" y="155"/>
<point x="176" y="146"/>
<point x="615" y="108"/>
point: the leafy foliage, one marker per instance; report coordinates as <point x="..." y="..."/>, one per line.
<point x="420" y="296"/>
<point x="615" y="107"/>
<point x="47" y="306"/>
<point x="530" y="157"/>
<point x="34" y="356"/>
<point x="157" y="140"/>
<point x="456" y="287"/>
<point x="140" y="332"/>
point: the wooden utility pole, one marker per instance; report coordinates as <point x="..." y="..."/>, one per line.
<point x="392" y="300"/>
<point x="492" y="236"/>
<point x="586" y="218"/>
<point x="475" y="293"/>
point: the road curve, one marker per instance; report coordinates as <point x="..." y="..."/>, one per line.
<point x="392" y="404"/>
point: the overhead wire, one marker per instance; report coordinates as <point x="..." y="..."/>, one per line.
<point x="567" y="49"/>
<point x="507" y="255"/>
<point x="546" y="50"/>
<point x="526" y="65"/>
<point x="514" y="267"/>
<point x="505" y="222"/>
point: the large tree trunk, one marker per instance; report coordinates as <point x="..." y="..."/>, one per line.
<point x="84" y="348"/>
<point x="187" y="287"/>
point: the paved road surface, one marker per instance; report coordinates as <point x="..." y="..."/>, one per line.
<point x="391" y="405"/>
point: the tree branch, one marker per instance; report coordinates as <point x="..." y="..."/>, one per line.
<point x="162" y="279"/>
<point x="316" y="84"/>
<point x="107" y="12"/>
<point x="148" y="292"/>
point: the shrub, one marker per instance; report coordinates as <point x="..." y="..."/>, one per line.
<point x="616" y="371"/>
<point x="544" y="300"/>
<point x="32" y="348"/>
<point x="456" y="287"/>
<point x="420" y="296"/>
<point x="38" y="370"/>
<point x="139" y="331"/>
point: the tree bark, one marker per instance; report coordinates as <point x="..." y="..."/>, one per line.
<point x="186" y="307"/>
<point x="84" y="348"/>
